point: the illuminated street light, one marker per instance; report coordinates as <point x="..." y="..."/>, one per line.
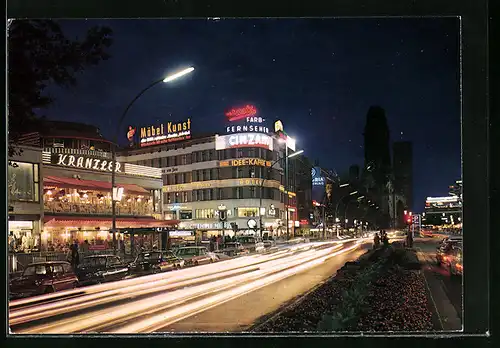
<point x="343" y="185"/>
<point x="295" y="153"/>
<point x="353" y="193"/>
<point x="115" y="141"/>
<point x="177" y="75"/>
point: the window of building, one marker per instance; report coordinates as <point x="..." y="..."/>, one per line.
<point x="23" y="182"/>
<point x="164" y="162"/>
<point x="176" y="197"/>
<point x="204" y="214"/>
<point x="215" y="173"/>
<point x="248" y="212"/>
<point x="200" y="175"/>
<point x="170" y="215"/>
<point x="221" y="194"/>
<point x="207" y="174"/>
<point x="179" y="178"/>
<point x="185" y="214"/>
<point x="157" y="162"/>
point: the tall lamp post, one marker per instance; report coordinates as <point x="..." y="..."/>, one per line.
<point x="114" y="193"/>
<point x="262" y="186"/>
<point x="340" y="200"/>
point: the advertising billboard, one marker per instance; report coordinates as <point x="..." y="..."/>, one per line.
<point x="165" y="133"/>
<point x="232" y="141"/>
<point x="318" y="184"/>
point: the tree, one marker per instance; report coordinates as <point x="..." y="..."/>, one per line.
<point x="40" y="54"/>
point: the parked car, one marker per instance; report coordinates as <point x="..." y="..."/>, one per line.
<point x="269" y="243"/>
<point x="149" y="262"/>
<point x="445" y="248"/>
<point x="251" y="243"/>
<point x="43" y="278"/>
<point x="98" y="269"/>
<point x="232" y="248"/>
<point x="196" y="255"/>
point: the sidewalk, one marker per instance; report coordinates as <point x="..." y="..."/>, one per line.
<point x="448" y="317"/>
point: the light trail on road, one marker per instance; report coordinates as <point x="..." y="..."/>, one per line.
<point x="155" y="301"/>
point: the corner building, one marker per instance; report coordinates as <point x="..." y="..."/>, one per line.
<point x="198" y="178"/>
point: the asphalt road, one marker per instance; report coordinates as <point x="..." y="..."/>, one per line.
<point x="239" y="314"/>
<point x="225" y="296"/>
<point x="452" y="285"/>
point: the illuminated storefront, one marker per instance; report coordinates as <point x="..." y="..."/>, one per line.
<point x="441" y="211"/>
<point x="75" y="185"/>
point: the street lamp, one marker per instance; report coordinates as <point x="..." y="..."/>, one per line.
<point x="114" y="197"/>
<point x="262" y="210"/>
<point x="338" y="203"/>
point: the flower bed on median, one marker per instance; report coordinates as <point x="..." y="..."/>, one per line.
<point x="381" y="291"/>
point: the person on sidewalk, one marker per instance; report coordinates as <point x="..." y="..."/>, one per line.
<point x="376" y="241"/>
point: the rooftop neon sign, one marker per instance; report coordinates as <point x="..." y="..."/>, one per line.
<point x="241" y="113"/>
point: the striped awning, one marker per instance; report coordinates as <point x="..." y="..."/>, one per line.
<point x="90" y="184"/>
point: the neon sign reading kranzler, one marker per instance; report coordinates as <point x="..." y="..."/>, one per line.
<point x="86" y="163"/>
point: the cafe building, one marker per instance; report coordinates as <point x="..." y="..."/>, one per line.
<point x="76" y="193"/>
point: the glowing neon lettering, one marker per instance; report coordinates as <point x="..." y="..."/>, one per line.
<point x="241" y="113"/>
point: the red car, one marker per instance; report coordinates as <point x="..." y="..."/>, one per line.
<point x="43" y="278"/>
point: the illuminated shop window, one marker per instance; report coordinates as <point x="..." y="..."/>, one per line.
<point x="248" y="212"/>
<point x="23" y="182"/>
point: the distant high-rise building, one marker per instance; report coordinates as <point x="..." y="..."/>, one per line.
<point x="403" y="170"/>
<point x="354" y="173"/>
<point x="377" y="150"/>
<point x="378" y="160"/>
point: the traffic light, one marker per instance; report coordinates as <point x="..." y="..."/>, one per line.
<point x="408" y="217"/>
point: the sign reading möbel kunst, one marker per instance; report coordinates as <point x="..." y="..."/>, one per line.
<point x="165" y="133"/>
<point x="85" y="162"/>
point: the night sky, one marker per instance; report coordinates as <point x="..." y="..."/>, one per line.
<point x="319" y="76"/>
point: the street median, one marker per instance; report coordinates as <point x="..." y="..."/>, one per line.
<point x="383" y="290"/>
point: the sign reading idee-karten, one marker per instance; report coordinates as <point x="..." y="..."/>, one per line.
<point x="85" y="162"/>
<point x="245" y="162"/>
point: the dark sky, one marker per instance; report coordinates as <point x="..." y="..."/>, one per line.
<point x="319" y="76"/>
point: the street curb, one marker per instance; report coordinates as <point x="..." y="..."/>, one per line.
<point x="443" y="306"/>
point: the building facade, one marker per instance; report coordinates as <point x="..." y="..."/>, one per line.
<point x="75" y="198"/>
<point x="378" y="162"/>
<point x="242" y="171"/>
<point x="445" y="211"/>
<point x="198" y="179"/>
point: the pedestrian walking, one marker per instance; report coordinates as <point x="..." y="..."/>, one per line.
<point x="376" y="241"/>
